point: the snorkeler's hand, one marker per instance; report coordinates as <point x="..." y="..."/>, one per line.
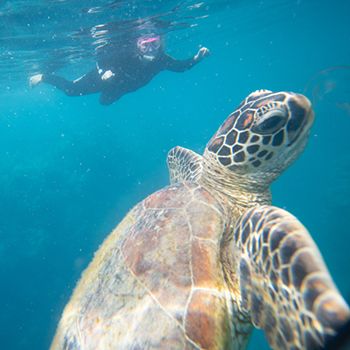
<point x="203" y="52"/>
<point x="35" y="80"/>
<point x="107" y="75"/>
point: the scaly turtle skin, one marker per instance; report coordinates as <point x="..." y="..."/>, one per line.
<point x="199" y="263"/>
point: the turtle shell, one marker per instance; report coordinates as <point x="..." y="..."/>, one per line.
<point x="157" y="280"/>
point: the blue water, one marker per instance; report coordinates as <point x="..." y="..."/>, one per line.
<point x="71" y="169"/>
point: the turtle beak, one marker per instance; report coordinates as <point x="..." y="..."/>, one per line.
<point x="301" y="120"/>
<point x="305" y="103"/>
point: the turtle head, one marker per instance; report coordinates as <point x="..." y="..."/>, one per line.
<point x="263" y="135"/>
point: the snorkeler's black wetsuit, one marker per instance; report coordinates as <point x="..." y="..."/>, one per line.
<point x="130" y="73"/>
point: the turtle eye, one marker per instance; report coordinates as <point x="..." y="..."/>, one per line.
<point x="270" y="122"/>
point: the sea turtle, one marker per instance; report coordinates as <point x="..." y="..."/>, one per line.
<point x="197" y="264"/>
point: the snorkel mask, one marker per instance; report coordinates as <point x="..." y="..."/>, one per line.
<point x="148" y="46"/>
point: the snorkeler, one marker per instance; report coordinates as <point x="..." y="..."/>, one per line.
<point x="123" y="71"/>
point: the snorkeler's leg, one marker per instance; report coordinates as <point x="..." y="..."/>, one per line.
<point x="108" y="96"/>
<point x="89" y="83"/>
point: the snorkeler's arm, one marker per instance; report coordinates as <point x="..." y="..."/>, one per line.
<point x="175" y="65"/>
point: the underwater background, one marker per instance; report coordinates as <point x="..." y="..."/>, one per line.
<point x="71" y="168"/>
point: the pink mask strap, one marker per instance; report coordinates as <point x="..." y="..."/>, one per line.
<point x="150" y="40"/>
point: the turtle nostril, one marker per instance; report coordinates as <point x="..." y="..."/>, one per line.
<point x="303" y="101"/>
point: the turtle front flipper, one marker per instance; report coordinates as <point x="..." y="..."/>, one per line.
<point x="284" y="285"/>
<point x="184" y="165"/>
